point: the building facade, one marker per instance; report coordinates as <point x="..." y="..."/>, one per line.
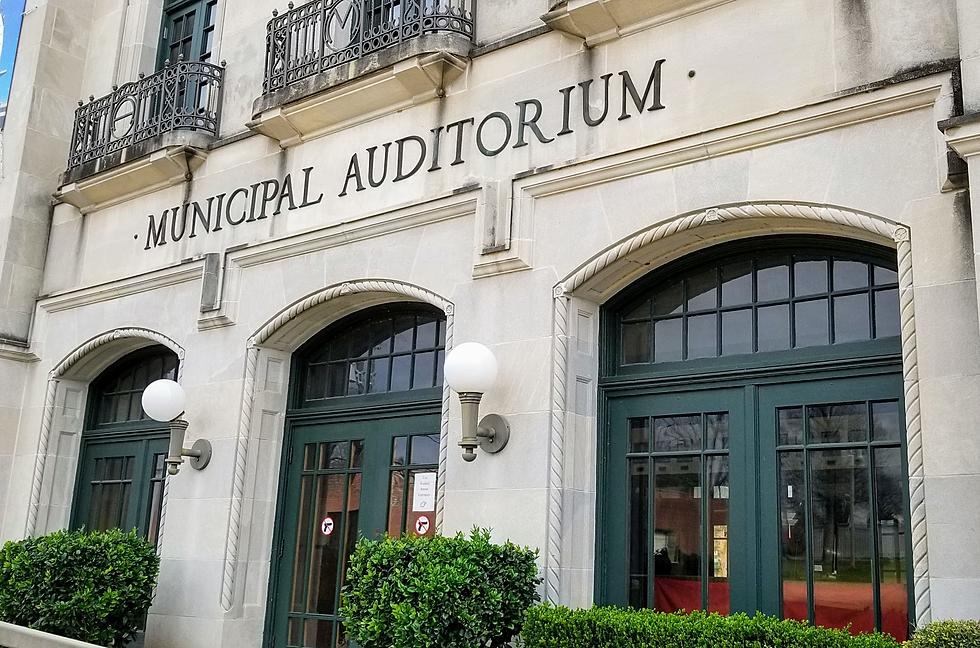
<point x="721" y="249"/>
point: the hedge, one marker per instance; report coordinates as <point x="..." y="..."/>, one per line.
<point x="416" y="592"/>
<point x="94" y="587"/>
<point x="609" y="627"/>
<point x="947" y="634"/>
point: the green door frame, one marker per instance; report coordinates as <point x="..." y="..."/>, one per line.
<point x="877" y="361"/>
<point x="175" y="9"/>
<point x="349" y="418"/>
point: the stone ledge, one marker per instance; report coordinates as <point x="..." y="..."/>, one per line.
<point x="597" y="21"/>
<point x="164" y="167"/>
<point x="964" y="137"/>
<point x="326" y="106"/>
<point x="12" y="636"/>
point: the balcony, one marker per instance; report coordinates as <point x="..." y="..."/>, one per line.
<point x="143" y="136"/>
<point x="332" y="61"/>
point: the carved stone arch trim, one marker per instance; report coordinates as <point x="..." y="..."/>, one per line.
<point x="859" y="223"/>
<point x="262" y="337"/>
<point x="63" y="369"/>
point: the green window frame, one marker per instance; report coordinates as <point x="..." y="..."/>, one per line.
<point x="187" y="31"/>
<point x="748" y="384"/>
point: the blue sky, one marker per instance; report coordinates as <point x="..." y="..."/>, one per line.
<point x="12" y="11"/>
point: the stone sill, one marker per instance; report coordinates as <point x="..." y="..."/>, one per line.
<point x="171" y="162"/>
<point x="388" y="80"/>
<point x="598" y="21"/>
<point x="12" y="636"/>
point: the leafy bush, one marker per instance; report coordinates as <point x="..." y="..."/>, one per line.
<point x="947" y="634"/>
<point x="415" y="592"/>
<point x="558" y="627"/>
<point x="94" y="587"/>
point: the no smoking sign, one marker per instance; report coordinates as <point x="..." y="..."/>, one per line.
<point x="422" y="525"/>
<point x="326" y="527"/>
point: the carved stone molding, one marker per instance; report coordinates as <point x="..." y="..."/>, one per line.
<point x="852" y="219"/>
<point x="262" y="336"/>
<point x="60" y="370"/>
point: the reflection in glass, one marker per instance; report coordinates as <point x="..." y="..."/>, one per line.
<point x="772" y="279"/>
<point x="885" y="421"/>
<point x="774" y="328"/>
<point x="718" y="490"/>
<point x="736" y="332"/>
<point x="636" y="342"/>
<point x="669" y="341"/>
<point x="812" y="323"/>
<point x="677" y="533"/>
<point x="852" y="318"/>
<point x="702" y="336"/>
<point x="809" y="277"/>
<point x="842" y="543"/>
<point x="839" y="423"/>
<point x="717" y="431"/>
<point x="425" y="449"/>
<point x="892" y="565"/>
<point x="639" y="434"/>
<point x="790" y="425"/>
<point x="885" y="276"/>
<point x="849" y="275"/>
<point x="639" y="526"/>
<point x="677" y="433"/>
<point x="702" y="290"/>
<point x="792" y="524"/>
<point x="736" y="284"/>
<point x="887" y="318"/>
<point x="669" y="300"/>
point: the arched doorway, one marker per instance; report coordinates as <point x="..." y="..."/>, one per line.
<point x="121" y="470"/>
<point x="361" y="453"/>
<point x="752" y="451"/>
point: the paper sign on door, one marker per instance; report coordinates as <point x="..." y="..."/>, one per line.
<point x="424" y="497"/>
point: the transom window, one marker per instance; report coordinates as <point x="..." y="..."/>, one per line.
<point x="118" y="395"/>
<point x="392" y="348"/>
<point x="759" y="302"/>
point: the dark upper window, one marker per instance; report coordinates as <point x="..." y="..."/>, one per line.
<point x="187" y="32"/>
<point x="756" y="302"/>
<point x="391" y="348"/>
<point x="118" y="392"/>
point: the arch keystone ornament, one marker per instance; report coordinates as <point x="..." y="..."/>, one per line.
<point x="229" y="582"/>
<point x="854" y="220"/>
<point x="55" y="376"/>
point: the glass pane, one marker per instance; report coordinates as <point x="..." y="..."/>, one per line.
<point x="772" y="279"/>
<point x="336" y="379"/>
<point x="301" y="552"/>
<point x="636" y="343"/>
<point x="842" y="542"/>
<point x="425" y="369"/>
<point x="295" y="634"/>
<point x="885" y="421"/>
<point x="887" y="316"/>
<point x="718" y="548"/>
<point x="736" y="284"/>
<point x="677" y="534"/>
<point x="850" y="274"/>
<point x="852" y="318"/>
<point x="639" y="530"/>
<point x="892" y="565"/>
<point x="736" y="332"/>
<point x="677" y="433"/>
<point x="885" y="276"/>
<point x="378" y="377"/>
<point x="792" y="533"/>
<point x="399" y="448"/>
<point x="639" y="434"/>
<point x="381" y="337"/>
<point x="427" y="335"/>
<point x="425" y="449"/>
<point x="774" y="328"/>
<point x="668" y="341"/>
<point x="717" y="431"/>
<point x="401" y="373"/>
<point x="333" y="456"/>
<point x="790" y="426"/>
<point x="641" y="312"/>
<point x="812" y="325"/>
<point x="396" y="503"/>
<point x="838" y="423"/>
<point x="809" y="277"/>
<point x="309" y="456"/>
<point x="325" y="560"/>
<point x="404" y="333"/>
<point x="316" y="382"/>
<point x="357" y="378"/>
<point x="318" y="634"/>
<point x="702" y="336"/>
<point x="702" y="290"/>
<point x="357" y="454"/>
<point x="440" y="365"/>
<point x="669" y="300"/>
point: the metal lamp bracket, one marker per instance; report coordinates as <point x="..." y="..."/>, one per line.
<point x="494" y="433"/>
<point x="199" y="455"/>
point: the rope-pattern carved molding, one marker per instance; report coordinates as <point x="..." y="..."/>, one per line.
<point x="233" y="540"/>
<point x="913" y="427"/>
<point x="822" y="213"/>
<point x="47" y="419"/>
<point x="852" y="219"/>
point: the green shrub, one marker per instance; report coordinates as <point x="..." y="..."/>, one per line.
<point x="94" y="587"/>
<point x="416" y="592"/>
<point x="558" y="627"/>
<point x="947" y="634"/>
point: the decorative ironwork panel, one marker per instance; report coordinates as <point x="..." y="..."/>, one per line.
<point x="324" y="34"/>
<point x="182" y="96"/>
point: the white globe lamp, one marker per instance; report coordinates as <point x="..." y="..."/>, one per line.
<point x="471" y="371"/>
<point x="164" y="401"/>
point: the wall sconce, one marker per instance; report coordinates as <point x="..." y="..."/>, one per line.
<point x="471" y="370"/>
<point x="163" y="401"/>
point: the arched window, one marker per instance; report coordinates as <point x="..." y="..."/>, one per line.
<point x="753" y="452"/>
<point x="391" y="348"/>
<point x="121" y="469"/>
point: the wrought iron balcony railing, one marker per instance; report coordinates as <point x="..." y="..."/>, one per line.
<point x="182" y="96"/>
<point x="325" y="34"/>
